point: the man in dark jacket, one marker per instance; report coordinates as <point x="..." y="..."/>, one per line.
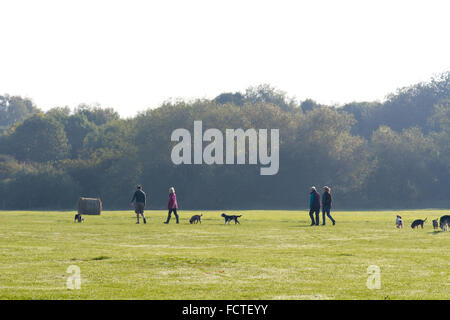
<point x="326" y="205"/>
<point x="314" y="206"/>
<point x="139" y="199"/>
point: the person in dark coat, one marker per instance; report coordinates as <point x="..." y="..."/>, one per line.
<point x="139" y="200"/>
<point x="172" y="205"/>
<point x="326" y="204"/>
<point x="314" y="206"/>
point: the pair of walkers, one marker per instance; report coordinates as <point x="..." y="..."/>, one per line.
<point x="140" y="199"/>
<point x="314" y="205"/>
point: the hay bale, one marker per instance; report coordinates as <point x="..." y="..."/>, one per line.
<point x="90" y="206"/>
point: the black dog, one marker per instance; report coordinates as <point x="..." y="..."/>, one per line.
<point x="230" y="218"/>
<point x="78" y="218"/>
<point x="196" y="218"/>
<point x="417" y="223"/>
<point x="435" y="224"/>
<point x="444" y="222"/>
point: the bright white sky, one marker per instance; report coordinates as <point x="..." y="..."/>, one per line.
<point x="132" y="55"/>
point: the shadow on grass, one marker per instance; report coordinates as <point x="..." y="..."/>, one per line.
<point x="100" y="258"/>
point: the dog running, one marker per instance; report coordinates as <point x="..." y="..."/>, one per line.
<point x="229" y="218"/>
<point x="417" y="223"/>
<point x="196" y="219"/>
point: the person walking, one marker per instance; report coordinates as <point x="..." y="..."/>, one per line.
<point x="314" y="206"/>
<point x="139" y="200"/>
<point x="326" y="204"/>
<point x="172" y="205"/>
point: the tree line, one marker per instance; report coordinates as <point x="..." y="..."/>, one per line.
<point x="391" y="154"/>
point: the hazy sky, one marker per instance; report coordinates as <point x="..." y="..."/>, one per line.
<point x="132" y="55"/>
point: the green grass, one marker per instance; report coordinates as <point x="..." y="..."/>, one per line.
<point x="271" y="255"/>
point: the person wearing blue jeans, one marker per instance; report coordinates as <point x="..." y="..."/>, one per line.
<point x="326" y="205"/>
<point x="314" y="206"/>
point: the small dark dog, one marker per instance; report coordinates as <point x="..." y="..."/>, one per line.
<point x="417" y="223"/>
<point x="435" y="224"/>
<point x="195" y="219"/>
<point x="228" y="218"/>
<point x="444" y="221"/>
<point x="78" y="218"/>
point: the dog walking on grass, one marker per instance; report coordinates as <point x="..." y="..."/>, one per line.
<point x="196" y="219"/>
<point x="229" y="218"/>
<point x="435" y="224"/>
<point x="78" y="218"/>
<point x="399" y="222"/>
<point x="417" y="223"/>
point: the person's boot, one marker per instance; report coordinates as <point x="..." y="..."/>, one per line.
<point x="145" y="221"/>
<point x="334" y="222"/>
<point x="168" y="219"/>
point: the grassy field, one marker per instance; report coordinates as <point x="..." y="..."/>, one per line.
<point x="271" y="255"/>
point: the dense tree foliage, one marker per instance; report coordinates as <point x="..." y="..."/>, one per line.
<point x="394" y="153"/>
<point x="38" y="138"/>
<point x="14" y="109"/>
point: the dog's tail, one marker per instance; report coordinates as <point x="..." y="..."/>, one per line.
<point x="239" y="216"/>
<point x="425" y="220"/>
<point x="201" y="215"/>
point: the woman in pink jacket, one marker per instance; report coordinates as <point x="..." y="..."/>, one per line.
<point x="173" y="205"/>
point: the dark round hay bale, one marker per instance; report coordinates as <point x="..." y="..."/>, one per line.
<point x="90" y="206"/>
